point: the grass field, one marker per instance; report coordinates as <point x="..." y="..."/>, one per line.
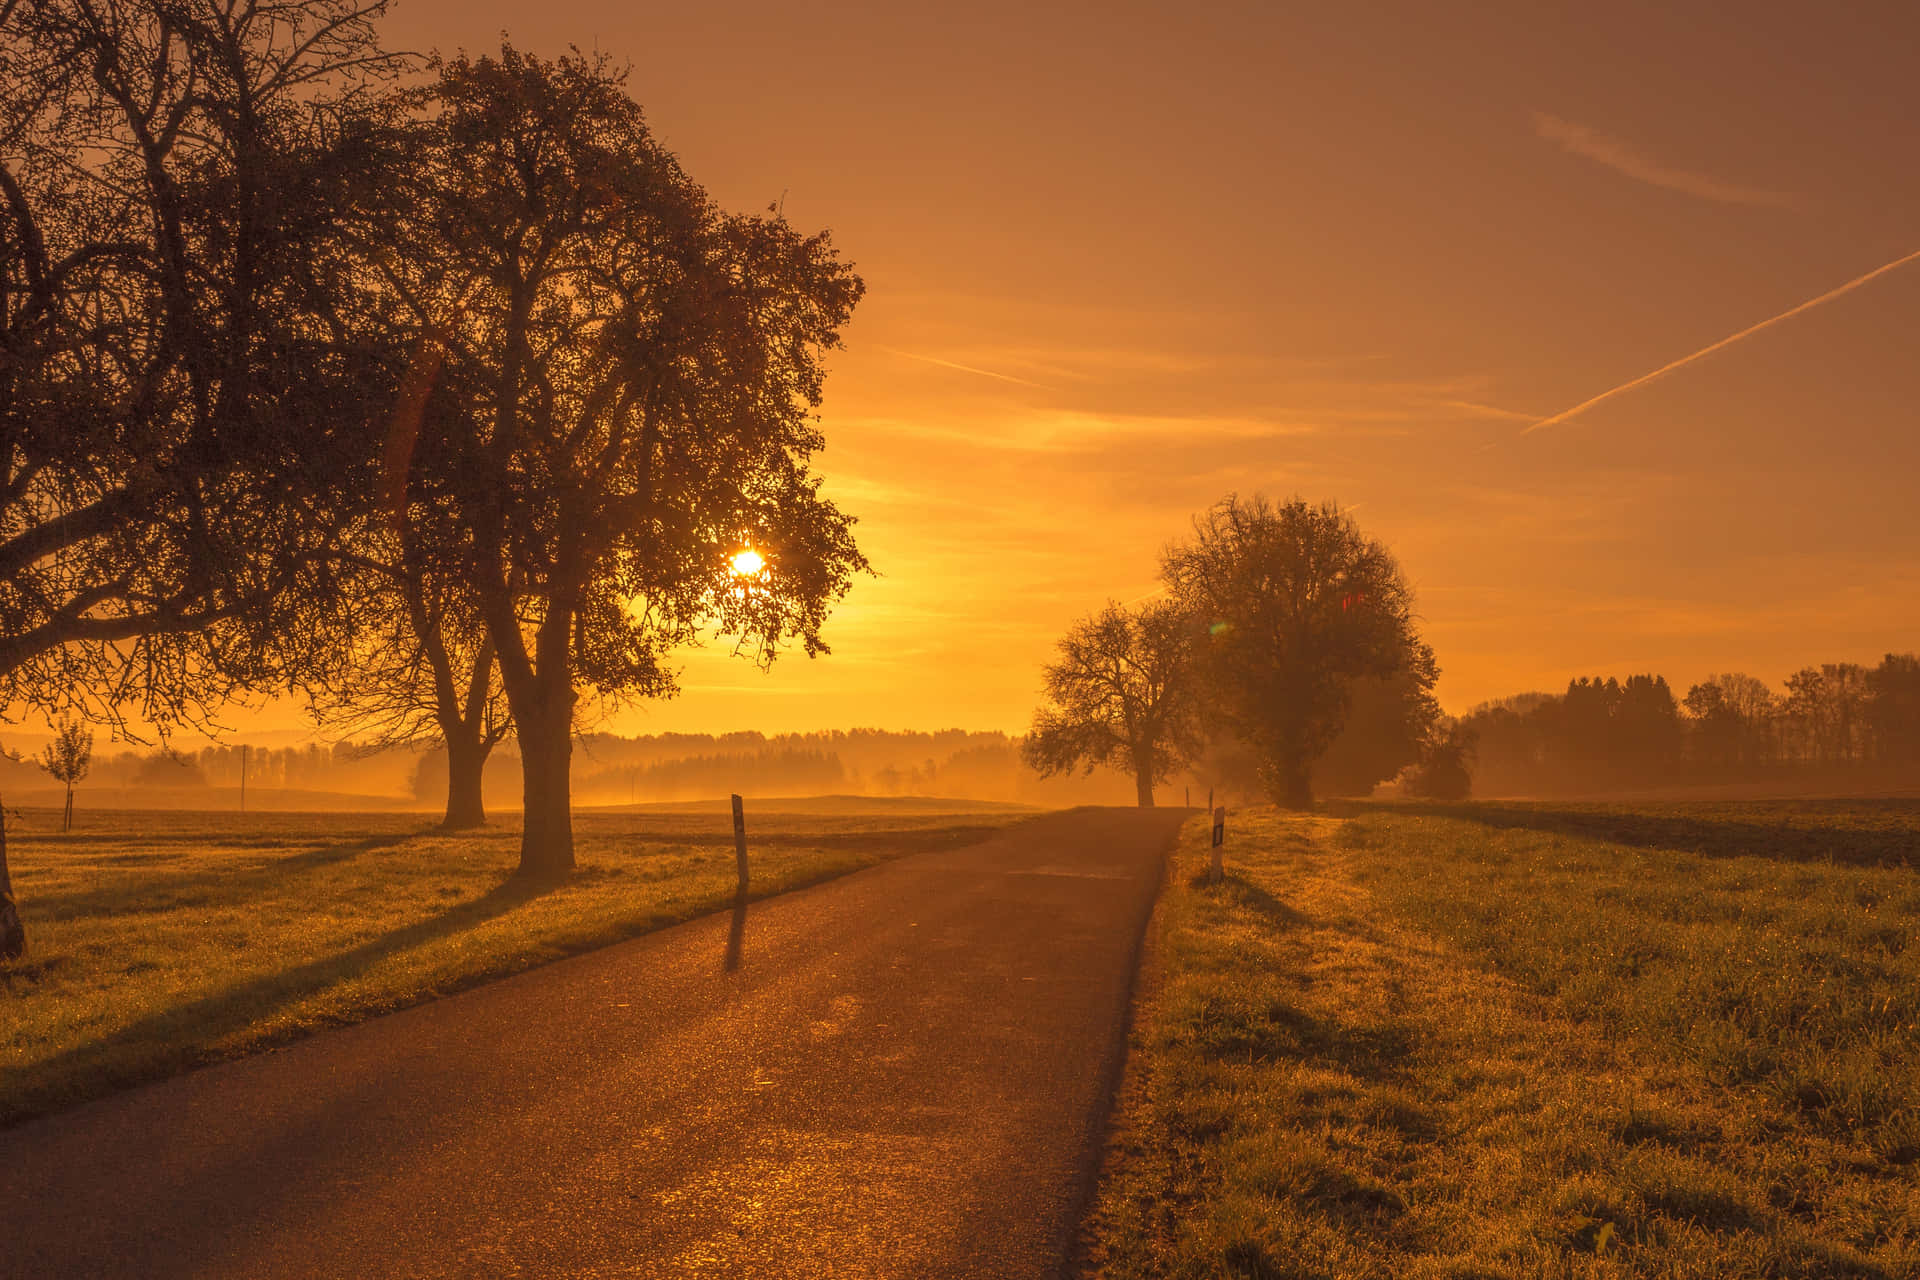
<point x="160" y="941"/>
<point x="1529" y="1040"/>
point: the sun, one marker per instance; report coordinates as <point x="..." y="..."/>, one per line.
<point x="748" y="564"/>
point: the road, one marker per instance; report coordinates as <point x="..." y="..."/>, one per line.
<point x="904" y="1072"/>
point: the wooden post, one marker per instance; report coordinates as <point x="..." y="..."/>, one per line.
<point x="6" y="879"/>
<point x="740" y="841"/>
<point x="13" y="935"/>
<point x="1217" y="873"/>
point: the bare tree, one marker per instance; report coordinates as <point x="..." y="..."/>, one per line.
<point x="67" y="758"/>
<point x="621" y="384"/>
<point x="1122" y="696"/>
<point x="1296" y="604"/>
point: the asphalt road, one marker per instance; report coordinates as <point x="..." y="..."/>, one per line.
<point x="904" y="1072"/>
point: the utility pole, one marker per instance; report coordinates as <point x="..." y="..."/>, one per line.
<point x="243" y="777"/>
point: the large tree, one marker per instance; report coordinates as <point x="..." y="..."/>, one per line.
<point x="620" y="386"/>
<point x="1295" y="604"/>
<point x="1122" y="696"/>
<point x="190" y="390"/>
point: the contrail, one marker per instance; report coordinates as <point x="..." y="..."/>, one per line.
<point x="965" y="368"/>
<point x="1704" y="352"/>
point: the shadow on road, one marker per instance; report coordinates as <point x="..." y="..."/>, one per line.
<point x="736" y="934"/>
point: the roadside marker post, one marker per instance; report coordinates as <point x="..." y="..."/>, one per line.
<point x="740" y="841"/>
<point x="1219" y="838"/>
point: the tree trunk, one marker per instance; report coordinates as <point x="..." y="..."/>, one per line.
<point x="466" y="764"/>
<point x="546" y="750"/>
<point x="1143" y="787"/>
<point x="13" y="934"/>
<point x="1294" y="779"/>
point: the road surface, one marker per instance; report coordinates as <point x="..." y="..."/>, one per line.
<point x="904" y="1072"/>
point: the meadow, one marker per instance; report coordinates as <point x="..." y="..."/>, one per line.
<point x="160" y="941"/>
<point x="1528" y="1040"/>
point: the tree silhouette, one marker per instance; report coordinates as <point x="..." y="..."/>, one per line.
<point x="1297" y="604"/>
<point x="1826" y="710"/>
<point x="621" y="387"/>
<point x="413" y="665"/>
<point x="67" y="758"/>
<point x="1834" y="717"/>
<point x="1893" y="708"/>
<point x="189" y="388"/>
<point x="1445" y="768"/>
<point x="1122" y="695"/>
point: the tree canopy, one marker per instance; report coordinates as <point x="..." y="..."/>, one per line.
<point x="1122" y="696"/>
<point x="190" y="381"/>
<point x="1295" y="604"/>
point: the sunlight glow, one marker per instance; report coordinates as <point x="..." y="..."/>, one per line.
<point x="748" y="564"/>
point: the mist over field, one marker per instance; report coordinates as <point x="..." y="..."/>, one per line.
<point x="608" y="770"/>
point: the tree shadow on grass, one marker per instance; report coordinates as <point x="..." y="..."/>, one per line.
<point x="1891" y="839"/>
<point x="205" y="883"/>
<point x="1239" y="891"/>
<point x="179" y="1037"/>
<point x="1278" y="1031"/>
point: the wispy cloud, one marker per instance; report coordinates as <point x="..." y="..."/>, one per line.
<point x="1474" y="409"/>
<point x="1058" y="431"/>
<point x="1725" y="342"/>
<point x="965" y="368"/>
<point x="1624" y="157"/>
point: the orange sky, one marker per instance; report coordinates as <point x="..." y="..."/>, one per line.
<point x="1124" y="258"/>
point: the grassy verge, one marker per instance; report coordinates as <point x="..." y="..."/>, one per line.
<point x="164" y="940"/>
<point x="1514" y="1041"/>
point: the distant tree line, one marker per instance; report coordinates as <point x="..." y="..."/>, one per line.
<point x="950" y="763"/>
<point x="1829" y="722"/>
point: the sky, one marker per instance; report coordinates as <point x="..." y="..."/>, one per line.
<point x="1125" y="259"/>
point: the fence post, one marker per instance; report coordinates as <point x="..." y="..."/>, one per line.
<point x="740" y="841"/>
<point x="1217" y="873"/>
